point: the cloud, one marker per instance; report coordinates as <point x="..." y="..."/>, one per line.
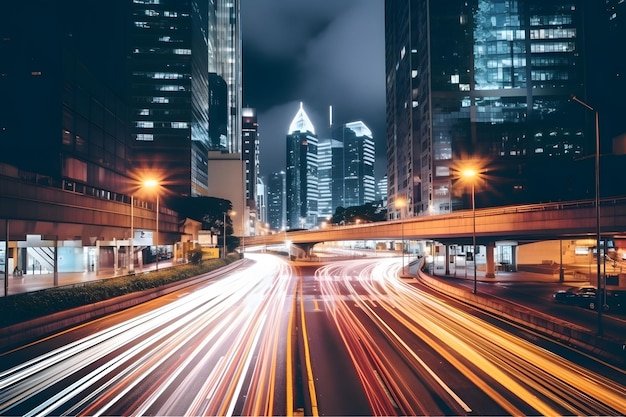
<point x="323" y="52"/>
<point x="281" y="28"/>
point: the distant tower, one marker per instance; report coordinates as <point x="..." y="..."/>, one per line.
<point x="330" y="157"/>
<point x="302" y="175"/>
<point x="277" y="201"/>
<point x="354" y="185"/>
<point x="250" y="148"/>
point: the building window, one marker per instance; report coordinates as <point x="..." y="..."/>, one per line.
<point x="145" y="137"/>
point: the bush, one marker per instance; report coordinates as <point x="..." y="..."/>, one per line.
<point x="28" y="306"/>
<point x="194" y="255"/>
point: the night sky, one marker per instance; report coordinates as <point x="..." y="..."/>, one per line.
<point x="321" y="53"/>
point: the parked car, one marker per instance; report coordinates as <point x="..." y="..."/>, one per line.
<point x="579" y="296"/>
<point x="616" y="300"/>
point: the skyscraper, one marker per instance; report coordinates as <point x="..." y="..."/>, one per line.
<point x="185" y="57"/>
<point x="224" y="43"/>
<point x="330" y="158"/>
<point x="277" y="201"/>
<point x="358" y="164"/>
<point x="169" y="91"/>
<point x="302" y="175"/>
<point x="250" y="148"/>
<point x="61" y="83"/>
<point x="488" y="81"/>
<point x="250" y="157"/>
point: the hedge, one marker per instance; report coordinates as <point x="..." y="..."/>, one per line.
<point x="26" y="306"/>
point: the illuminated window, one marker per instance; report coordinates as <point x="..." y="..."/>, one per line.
<point x="144" y="124"/>
<point x="145" y="137"/>
<point x="166" y="76"/>
<point x="182" y="51"/>
<point x="160" y="100"/>
<point x="171" y="88"/>
<point x="180" y="125"/>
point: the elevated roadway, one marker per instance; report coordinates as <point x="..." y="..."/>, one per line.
<point x="532" y="222"/>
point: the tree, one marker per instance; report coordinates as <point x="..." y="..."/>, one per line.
<point x="367" y="213"/>
<point x="210" y="212"/>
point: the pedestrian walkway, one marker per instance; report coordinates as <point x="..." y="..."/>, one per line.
<point x="461" y="273"/>
<point x="35" y="282"/>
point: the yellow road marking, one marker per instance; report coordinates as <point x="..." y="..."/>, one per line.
<point x="307" y="357"/>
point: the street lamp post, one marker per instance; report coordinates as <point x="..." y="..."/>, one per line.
<point x="599" y="294"/>
<point x="131" y="242"/>
<point x="401" y="203"/>
<point x="155" y="184"/>
<point x="471" y="174"/>
<point x="157" y="231"/>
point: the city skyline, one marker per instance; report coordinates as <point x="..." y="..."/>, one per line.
<point x="333" y="55"/>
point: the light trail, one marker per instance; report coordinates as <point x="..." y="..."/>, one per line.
<point x="201" y="354"/>
<point x="503" y="366"/>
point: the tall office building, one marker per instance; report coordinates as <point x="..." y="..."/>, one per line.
<point x="277" y="201"/>
<point x="302" y="172"/>
<point x="488" y="81"/>
<point x="185" y="57"/>
<point x="250" y="148"/>
<point x="64" y="114"/>
<point x="169" y="91"/>
<point x="250" y="159"/>
<point x="224" y="49"/>
<point x="330" y="159"/>
<point x="358" y="165"/>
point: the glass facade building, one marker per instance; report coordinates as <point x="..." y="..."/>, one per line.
<point x="169" y="91"/>
<point x="487" y="81"/>
<point x="250" y="146"/>
<point x="302" y="173"/>
<point x="277" y="201"/>
<point x="330" y="158"/>
<point x="184" y="57"/>
<point x="62" y="85"/>
<point x="354" y="184"/>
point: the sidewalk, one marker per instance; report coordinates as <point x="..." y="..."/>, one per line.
<point x="35" y="282"/>
<point x="501" y="276"/>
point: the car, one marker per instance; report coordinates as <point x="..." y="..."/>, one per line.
<point x="579" y="296"/>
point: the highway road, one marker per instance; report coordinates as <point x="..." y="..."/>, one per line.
<point x="274" y="338"/>
<point x="418" y="354"/>
<point x="219" y="348"/>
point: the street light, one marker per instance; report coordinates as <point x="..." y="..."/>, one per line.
<point x="401" y="204"/>
<point x="230" y="213"/>
<point x="131" y="242"/>
<point x="155" y="184"/>
<point x="471" y="175"/>
<point x="599" y="295"/>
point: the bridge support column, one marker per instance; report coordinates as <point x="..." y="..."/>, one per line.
<point x="490" y="271"/>
<point x="447" y="259"/>
<point x="116" y="259"/>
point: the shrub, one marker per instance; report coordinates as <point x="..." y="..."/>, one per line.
<point x="27" y="306"/>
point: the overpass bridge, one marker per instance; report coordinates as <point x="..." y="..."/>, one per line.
<point x="520" y="223"/>
<point x="532" y="222"/>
